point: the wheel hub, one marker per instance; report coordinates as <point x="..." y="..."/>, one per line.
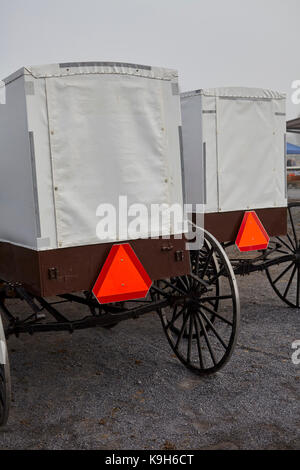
<point x="297" y="256"/>
<point x="192" y="297"/>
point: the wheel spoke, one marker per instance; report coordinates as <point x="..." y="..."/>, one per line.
<point x="186" y="317"/>
<point x="198" y="343"/>
<point x="291" y="241"/>
<point x="282" y="252"/>
<point x="283" y="272"/>
<point x="290" y="282"/>
<point x="219" y="297"/>
<point x="174" y="318"/>
<point x="212" y="328"/>
<point x="206" y="339"/>
<point x="5" y="397"/>
<point x="174" y="312"/>
<point x="293" y="226"/>
<point x="197" y="261"/>
<point x="211" y="281"/>
<point x="209" y="256"/>
<point x="188" y="281"/>
<point x="290" y="248"/>
<point x="173" y="287"/>
<point x="160" y="291"/>
<point x="217" y="315"/>
<point x="185" y="286"/>
<point x="298" y="286"/>
<point x="190" y="340"/>
<point x="211" y="303"/>
<point x="198" y="280"/>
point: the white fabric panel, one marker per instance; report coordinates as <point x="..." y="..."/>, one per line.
<point x="280" y="142"/>
<point x="18" y="213"/>
<point x="108" y="138"/>
<point x="37" y="116"/>
<point x="250" y="158"/>
<point x="171" y="113"/>
<point x="243" y="130"/>
<point x="193" y="150"/>
<point x="209" y="124"/>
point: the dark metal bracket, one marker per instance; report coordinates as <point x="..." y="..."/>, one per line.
<point x="100" y="315"/>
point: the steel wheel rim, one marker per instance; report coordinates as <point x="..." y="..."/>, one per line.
<point x="211" y="355"/>
<point x="5" y="383"/>
<point x="204" y="269"/>
<point x="287" y="245"/>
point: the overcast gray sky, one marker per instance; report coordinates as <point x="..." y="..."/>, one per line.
<point x="210" y="42"/>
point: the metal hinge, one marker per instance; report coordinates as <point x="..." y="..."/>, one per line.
<point x="167" y="248"/>
<point x="179" y="255"/>
<point x="52" y="273"/>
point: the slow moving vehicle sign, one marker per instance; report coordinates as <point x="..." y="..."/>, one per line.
<point x="252" y="234"/>
<point x="122" y="277"/>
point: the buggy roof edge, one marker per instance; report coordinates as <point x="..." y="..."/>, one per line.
<point x="77" y="68"/>
<point x="237" y="92"/>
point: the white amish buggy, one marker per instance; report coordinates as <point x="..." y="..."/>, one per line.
<point x="78" y="135"/>
<point x="239" y="137"/>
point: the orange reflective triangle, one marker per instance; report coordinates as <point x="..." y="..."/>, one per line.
<point x="252" y="234"/>
<point x="122" y="277"/>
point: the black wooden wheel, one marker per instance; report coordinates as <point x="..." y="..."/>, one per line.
<point x="204" y="263"/>
<point x="5" y="384"/>
<point x="286" y="280"/>
<point x="201" y="323"/>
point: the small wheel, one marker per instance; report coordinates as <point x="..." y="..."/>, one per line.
<point x="201" y="323"/>
<point x="5" y="383"/>
<point x="286" y="280"/>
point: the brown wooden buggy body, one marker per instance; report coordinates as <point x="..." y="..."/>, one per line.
<point x="53" y="272"/>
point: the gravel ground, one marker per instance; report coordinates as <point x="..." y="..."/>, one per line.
<point x="123" y="389"/>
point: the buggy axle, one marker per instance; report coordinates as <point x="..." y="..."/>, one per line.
<point x="101" y="315"/>
<point x="86" y="322"/>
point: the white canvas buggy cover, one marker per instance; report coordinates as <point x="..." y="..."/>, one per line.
<point x="238" y="136"/>
<point x="74" y="136"/>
